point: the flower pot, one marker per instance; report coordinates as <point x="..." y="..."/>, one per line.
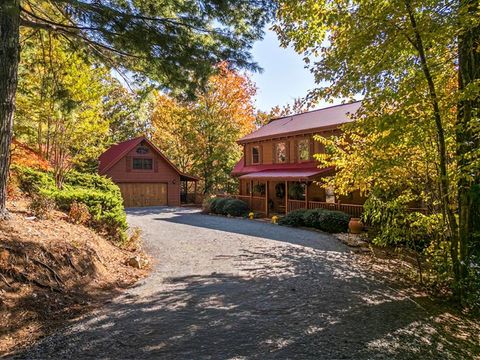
<point x="355" y="226"/>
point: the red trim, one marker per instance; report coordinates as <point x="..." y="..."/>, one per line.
<point x="117" y="152"/>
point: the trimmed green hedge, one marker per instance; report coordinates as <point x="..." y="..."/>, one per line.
<point x="235" y="207"/>
<point x="106" y="208"/>
<point x="98" y="193"/>
<point x="228" y="206"/>
<point x="294" y="218"/>
<point x="32" y="181"/>
<point x="322" y="219"/>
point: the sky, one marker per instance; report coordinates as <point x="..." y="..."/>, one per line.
<point x="284" y="76"/>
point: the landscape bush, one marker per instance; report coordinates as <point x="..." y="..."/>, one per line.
<point x="99" y="195"/>
<point x="41" y="206"/>
<point x="391" y="223"/>
<point x="79" y="213"/>
<point x="218" y="205"/>
<point x="227" y="206"/>
<point x="294" y="218"/>
<point x="322" y="219"/>
<point x="207" y="204"/>
<point x="235" y="207"/>
<point x="106" y="209"/>
<point x="32" y="181"/>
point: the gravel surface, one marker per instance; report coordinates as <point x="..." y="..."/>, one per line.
<point x="238" y="289"/>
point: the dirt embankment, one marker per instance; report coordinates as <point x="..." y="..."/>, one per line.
<point x="52" y="271"/>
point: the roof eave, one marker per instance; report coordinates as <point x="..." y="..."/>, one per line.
<point x="291" y="133"/>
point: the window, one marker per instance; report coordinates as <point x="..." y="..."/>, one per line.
<point x="142" y="164"/>
<point x="280" y="152"/>
<point x="303" y="149"/>
<point x="142" y="150"/>
<point x="255" y="155"/>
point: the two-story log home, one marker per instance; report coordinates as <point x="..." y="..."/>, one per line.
<point x="278" y="172"/>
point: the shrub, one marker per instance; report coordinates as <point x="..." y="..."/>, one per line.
<point x="391" y="223"/>
<point x="294" y="218"/>
<point x="41" y="206"/>
<point x="207" y="204"/>
<point x="218" y="206"/>
<point x="134" y="239"/>
<point x="312" y="218"/>
<point x="79" y="213"/>
<point x="99" y="196"/>
<point x="91" y="181"/>
<point x="322" y="219"/>
<point x="235" y="207"/>
<point x="32" y="181"/>
<point x="107" y="210"/>
<point x="333" y="221"/>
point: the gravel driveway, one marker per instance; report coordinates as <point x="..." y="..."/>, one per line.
<point x="237" y="289"/>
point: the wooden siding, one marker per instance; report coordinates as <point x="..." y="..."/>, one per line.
<point x="144" y="194"/>
<point x="267" y="148"/>
<point x="162" y="172"/>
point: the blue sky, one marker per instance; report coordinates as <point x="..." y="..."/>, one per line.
<point x="284" y="77"/>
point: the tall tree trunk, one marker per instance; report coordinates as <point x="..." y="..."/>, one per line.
<point x="9" y="58"/>
<point x="467" y="141"/>
<point x="448" y="213"/>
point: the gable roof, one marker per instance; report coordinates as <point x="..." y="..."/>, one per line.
<point x="116" y="152"/>
<point x="329" y="117"/>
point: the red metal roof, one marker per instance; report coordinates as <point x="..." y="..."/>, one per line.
<point x="301" y="171"/>
<point x="329" y="117"/>
<point x="292" y="174"/>
<point x="241" y="169"/>
<point x="112" y="155"/>
<point x="116" y="152"/>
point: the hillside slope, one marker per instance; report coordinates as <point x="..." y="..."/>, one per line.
<point x="52" y="271"/>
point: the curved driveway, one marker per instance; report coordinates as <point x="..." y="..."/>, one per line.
<point x="237" y="289"/>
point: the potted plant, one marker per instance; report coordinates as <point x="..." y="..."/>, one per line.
<point x="355" y="226"/>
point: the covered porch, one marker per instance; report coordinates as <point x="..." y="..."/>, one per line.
<point x="279" y="192"/>
<point x="188" y="190"/>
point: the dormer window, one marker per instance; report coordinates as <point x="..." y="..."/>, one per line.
<point x="255" y="155"/>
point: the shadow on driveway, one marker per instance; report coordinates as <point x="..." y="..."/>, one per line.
<point x="280" y="311"/>
<point x="285" y="302"/>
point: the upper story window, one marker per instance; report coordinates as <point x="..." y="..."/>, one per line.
<point x="280" y="152"/>
<point x="255" y="155"/>
<point x="142" y="164"/>
<point x="303" y="149"/>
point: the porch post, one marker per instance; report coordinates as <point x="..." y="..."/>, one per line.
<point x="306" y="195"/>
<point x="286" y="197"/>
<point x="195" y="192"/>
<point x="251" y="194"/>
<point x="266" y="198"/>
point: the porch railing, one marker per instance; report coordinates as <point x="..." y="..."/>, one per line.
<point x="354" y="210"/>
<point x="256" y="203"/>
<point x="295" y="205"/>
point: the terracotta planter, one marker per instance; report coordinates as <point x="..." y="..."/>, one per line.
<point x="355" y="226"/>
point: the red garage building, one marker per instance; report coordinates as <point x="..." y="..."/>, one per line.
<point x="145" y="176"/>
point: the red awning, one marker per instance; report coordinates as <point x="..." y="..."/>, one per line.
<point x="291" y="175"/>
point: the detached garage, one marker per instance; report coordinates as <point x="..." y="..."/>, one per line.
<point x="144" y="175"/>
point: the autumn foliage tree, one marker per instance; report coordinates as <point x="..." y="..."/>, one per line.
<point x="417" y="64"/>
<point x="200" y="136"/>
<point x="174" y="43"/>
